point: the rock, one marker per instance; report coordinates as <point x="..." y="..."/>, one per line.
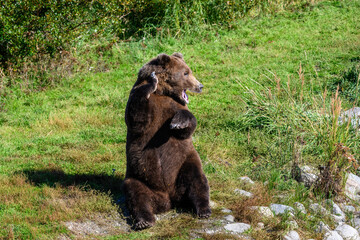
<point x="355" y="222"/>
<point x="352" y="187"/>
<point x="332" y="235"/>
<point x="337" y="219"/>
<point x="305" y="174"/>
<point x="212" y="231"/>
<point x="300" y="207"/>
<point x="280" y="209"/>
<point x="263" y="211"/>
<point x="260" y="225"/>
<point x="229" y="218"/>
<point x="293" y="224"/>
<point x="353" y="114"/>
<point x="292" y="235"/>
<point x="212" y="204"/>
<point x="243" y="193"/>
<point x="322" y="228"/>
<point x="246" y="180"/>
<point x="337" y="210"/>
<point x="100" y="225"/>
<point x="318" y="209"/>
<point x="349" y="209"/>
<point x="225" y="210"/>
<point x="237" y="227"/>
<point x="347" y="232"/>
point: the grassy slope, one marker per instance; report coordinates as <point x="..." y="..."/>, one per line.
<point x="59" y="145"/>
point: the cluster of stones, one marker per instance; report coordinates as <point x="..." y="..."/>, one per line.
<point x="344" y="230"/>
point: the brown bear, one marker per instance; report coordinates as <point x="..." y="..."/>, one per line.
<point x="163" y="168"/>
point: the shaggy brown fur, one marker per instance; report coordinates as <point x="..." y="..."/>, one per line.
<point x="163" y="167"/>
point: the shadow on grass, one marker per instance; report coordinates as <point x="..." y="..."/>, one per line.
<point x="55" y="177"/>
<point x="109" y="184"/>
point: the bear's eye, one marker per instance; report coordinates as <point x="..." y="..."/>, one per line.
<point x="186" y="73"/>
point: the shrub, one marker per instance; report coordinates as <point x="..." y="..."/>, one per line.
<point x="30" y="28"/>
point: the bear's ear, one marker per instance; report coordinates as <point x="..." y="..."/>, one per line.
<point x="163" y="59"/>
<point x="178" y="55"/>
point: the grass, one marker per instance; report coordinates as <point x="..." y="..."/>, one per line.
<point x="62" y="149"/>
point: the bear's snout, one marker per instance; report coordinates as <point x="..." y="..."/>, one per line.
<point x="197" y="88"/>
<point x="200" y="87"/>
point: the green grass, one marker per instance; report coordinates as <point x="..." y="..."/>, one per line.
<point x="62" y="150"/>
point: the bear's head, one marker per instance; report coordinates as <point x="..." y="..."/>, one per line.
<point x="174" y="77"/>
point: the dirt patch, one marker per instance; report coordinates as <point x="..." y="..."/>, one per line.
<point x="100" y="225"/>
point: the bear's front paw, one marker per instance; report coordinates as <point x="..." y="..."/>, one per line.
<point x="204" y="213"/>
<point x="178" y="125"/>
<point x="182" y="119"/>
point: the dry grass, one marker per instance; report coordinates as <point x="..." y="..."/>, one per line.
<point x="339" y="158"/>
<point x="179" y="227"/>
<point x="62" y="122"/>
<point x="242" y="206"/>
<point x="220" y="236"/>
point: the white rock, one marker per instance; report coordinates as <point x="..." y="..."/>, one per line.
<point x="292" y="235"/>
<point x="246" y="180"/>
<point x="243" y="193"/>
<point x="318" y="209"/>
<point x="355" y="222"/>
<point x="300" y="207"/>
<point x="347" y="232"/>
<point x="349" y="209"/>
<point x="354" y="114"/>
<point x="337" y="210"/>
<point x="352" y="187"/>
<point x="332" y="235"/>
<point x="280" y="209"/>
<point x="293" y="224"/>
<point x="260" y="225"/>
<point x="237" y="227"/>
<point x="225" y="210"/>
<point x="306" y="174"/>
<point x="229" y="218"/>
<point x="212" y="204"/>
<point x="211" y="231"/>
<point x="337" y="219"/>
<point x="322" y="228"/>
<point x="263" y="211"/>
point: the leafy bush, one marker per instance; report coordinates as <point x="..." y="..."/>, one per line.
<point x="29" y="28"/>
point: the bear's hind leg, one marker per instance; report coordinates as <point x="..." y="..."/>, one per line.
<point x="192" y="186"/>
<point x="138" y="200"/>
<point x="143" y="203"/>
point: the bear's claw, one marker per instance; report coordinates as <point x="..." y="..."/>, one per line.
<point x="154" y="78"/>
<point x="205" y="213"/>
<point x="140" y="225"/>
<point x="179" y="125"/>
